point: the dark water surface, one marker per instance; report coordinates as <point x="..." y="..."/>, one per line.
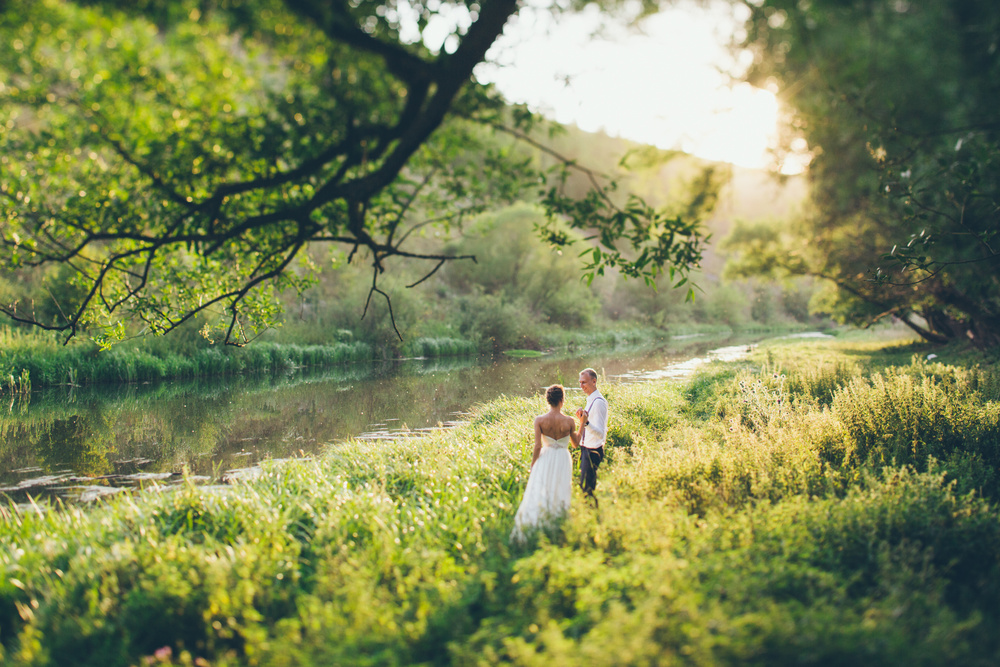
<point x="80" y="443"/>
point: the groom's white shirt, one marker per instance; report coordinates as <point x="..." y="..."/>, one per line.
<point x="596" y="430"/>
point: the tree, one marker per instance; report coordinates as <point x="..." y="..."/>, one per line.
<point x="180" y="155"/>
<point x="897" y="101"/>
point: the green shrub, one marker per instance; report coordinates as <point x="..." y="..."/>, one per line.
<point x="902" y="417"/>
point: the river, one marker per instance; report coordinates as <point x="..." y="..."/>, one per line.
<point x="82" y="443"/>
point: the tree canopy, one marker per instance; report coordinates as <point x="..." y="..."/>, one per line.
<point x="172" y="158"/>
<point x="898" y="103"/>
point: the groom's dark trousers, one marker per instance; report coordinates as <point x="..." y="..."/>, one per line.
<point x="589" y="460"/>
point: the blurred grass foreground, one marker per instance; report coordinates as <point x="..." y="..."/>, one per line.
<point x="818" y="503"/>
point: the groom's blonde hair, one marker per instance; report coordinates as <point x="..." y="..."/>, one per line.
<point x="591" y="372"/>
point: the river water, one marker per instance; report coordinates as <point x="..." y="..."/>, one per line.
<point x="82" y="443"/>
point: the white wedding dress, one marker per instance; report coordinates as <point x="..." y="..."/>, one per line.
<point x="547" y="495"/>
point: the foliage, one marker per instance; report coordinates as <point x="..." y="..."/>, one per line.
<point x="897" y="103"/>
<point x="726" y="543"/>
<point x="523" y="292"/>
<point x="175" y="159"/>
<point x="920" y="414"/>
<point x="526" y="282"/>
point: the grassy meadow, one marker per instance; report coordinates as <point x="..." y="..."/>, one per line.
<point x="818" y="503"/>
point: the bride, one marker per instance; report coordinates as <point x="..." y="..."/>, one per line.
<point x="547" y="495"/>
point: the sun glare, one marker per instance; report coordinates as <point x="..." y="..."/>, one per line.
<point x="740" y="129"/>
<point x="665" y="86"/>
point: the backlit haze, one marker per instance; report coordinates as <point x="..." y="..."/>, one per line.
<point x="664" y="84"/>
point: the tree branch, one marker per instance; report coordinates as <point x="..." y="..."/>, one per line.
<point x="388" y="301"/>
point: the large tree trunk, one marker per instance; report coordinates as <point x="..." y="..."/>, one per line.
<point x="982" y="326"/>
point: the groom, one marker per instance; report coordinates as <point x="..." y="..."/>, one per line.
<point x="593" y="431"/>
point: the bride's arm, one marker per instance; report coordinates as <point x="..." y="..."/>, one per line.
<point x="538" y="442"/>
<point x="582" y="415"/>
<point x="574" y="435"/>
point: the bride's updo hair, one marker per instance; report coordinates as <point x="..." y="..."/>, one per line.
<point x="554" y="394"/>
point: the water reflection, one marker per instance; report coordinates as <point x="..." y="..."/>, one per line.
<point x="83" y="443"/>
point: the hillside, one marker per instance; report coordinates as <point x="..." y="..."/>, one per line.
<point x="664" y="177"/>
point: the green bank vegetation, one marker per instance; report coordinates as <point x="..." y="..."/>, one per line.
<point x="46" y="362"/>
<point x="820" y="502"/>
<point x="31" y="357"/>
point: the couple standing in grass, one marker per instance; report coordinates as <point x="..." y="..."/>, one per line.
<point x="547" y="494"/>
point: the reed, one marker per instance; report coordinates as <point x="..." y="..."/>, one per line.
<point x="26" y="355"/>
<point x="21" y="385"/>
<point x="83" y="364"/>
<point x="433" y="348"/>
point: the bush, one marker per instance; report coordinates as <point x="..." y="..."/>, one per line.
<point x="906" y="418"/>
<point x="502" y="324"/>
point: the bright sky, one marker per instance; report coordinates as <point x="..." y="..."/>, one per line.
<point x="664" y="86"/>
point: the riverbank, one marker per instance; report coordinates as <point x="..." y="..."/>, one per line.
<point x="35" y="359"/>
<point x="756" y="514"/>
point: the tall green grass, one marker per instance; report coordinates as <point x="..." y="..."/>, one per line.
<point x="739" y="524"/>
<point x="33" y="357"/>
<point x="439" y="347"/>
<point x="84" y="364"/>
